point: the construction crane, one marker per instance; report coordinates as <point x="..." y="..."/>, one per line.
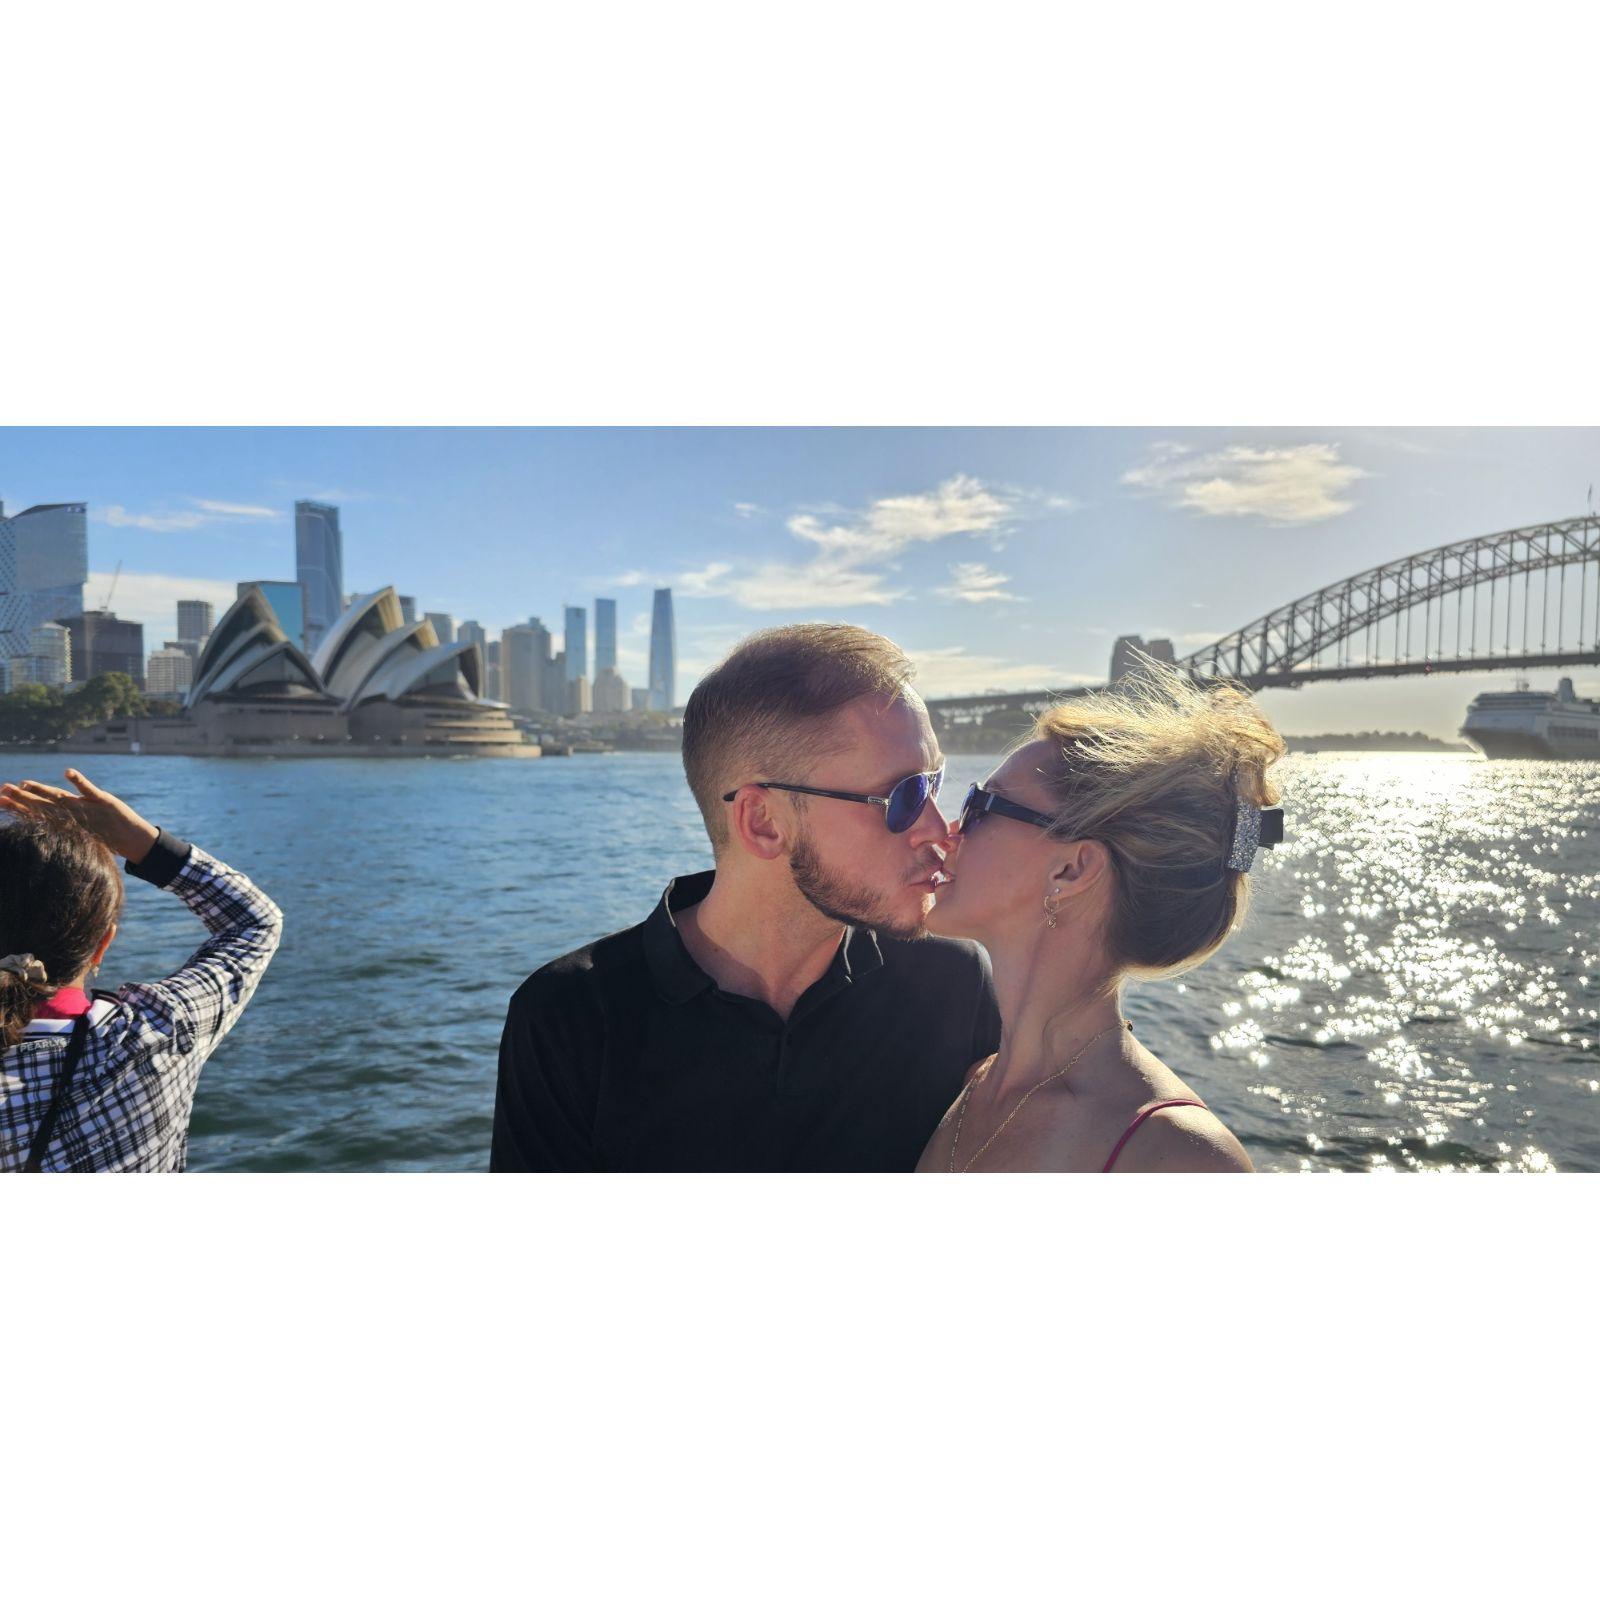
<point x="113" y="589"/>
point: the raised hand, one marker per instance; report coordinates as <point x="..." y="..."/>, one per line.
<point x="109" y="819"/>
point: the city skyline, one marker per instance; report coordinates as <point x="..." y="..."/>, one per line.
<point x="999" y="558"/>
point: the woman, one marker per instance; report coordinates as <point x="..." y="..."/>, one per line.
<point x="1113" y="844"/>
<point x="106" y="1083"/>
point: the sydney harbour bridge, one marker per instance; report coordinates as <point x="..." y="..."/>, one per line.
<point x="1528" y="598"/>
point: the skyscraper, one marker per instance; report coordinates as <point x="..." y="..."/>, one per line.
<point x="196" y="619"/>
<point x="525" y="665"/>
<point x="102" y="642"/>
<point x="443" y="624"/>
<point x="663" y="654"/>
<point x="577" y="643"/>
<point x="47" y="660"/>
<point x="605" y="636"/>
<point x="319" y="565"/>
<point x="44" y="564"/>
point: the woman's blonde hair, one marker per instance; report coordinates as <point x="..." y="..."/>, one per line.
<point x="1153" y="768"/>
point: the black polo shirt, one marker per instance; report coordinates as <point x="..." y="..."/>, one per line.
<point x="624" y="1056"/>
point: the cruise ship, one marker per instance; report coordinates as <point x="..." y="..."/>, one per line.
<point x="1536" y="724"/>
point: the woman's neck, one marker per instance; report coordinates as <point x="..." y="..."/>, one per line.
<point x="1052" y="1000"/>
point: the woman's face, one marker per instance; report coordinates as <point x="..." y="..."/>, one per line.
<point x="1001" y="869"/>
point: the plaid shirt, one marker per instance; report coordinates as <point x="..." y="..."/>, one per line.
<point x="134" y="1088"/>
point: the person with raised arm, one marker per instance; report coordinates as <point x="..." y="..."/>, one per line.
<point x="96" y="1082"/>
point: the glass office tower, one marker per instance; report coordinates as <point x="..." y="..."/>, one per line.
<point x="577" y="643"/>
<point x="44" y="564"/>
<point x="605" y="636"/>
<point x="319" y="565"/>
<point x="663" y="654"/>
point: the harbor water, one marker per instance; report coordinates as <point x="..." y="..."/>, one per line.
<point x="1416" y="990"/>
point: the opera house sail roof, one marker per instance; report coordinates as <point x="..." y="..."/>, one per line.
<point x="248" y="653"/>
<point x="377" y="685"/>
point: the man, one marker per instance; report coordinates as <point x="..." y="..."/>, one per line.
<point x="786" y="1011"/>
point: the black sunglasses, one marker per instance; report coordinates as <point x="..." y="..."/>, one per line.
<point x="901" y="806"/>
<point x="980" y="802"/>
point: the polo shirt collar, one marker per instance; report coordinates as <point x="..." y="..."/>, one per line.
<point x="678" y="978"/>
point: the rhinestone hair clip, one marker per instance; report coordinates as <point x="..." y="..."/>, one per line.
<point x="1253" y="828"/>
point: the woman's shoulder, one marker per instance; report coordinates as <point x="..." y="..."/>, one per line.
<point x="1161" y="1125"/>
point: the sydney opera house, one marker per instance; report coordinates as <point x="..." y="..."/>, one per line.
<point x="377" y="685"/>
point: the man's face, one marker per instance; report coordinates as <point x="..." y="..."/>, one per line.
<point x="846" y="862"/>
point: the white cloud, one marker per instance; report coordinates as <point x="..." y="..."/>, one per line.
<point x="960" y="505"/>
<point x="227" y="508"/>
<point x="952" y="670"/>
<point x="745" y="508"/>
<point x="776" y="587"/>
<point x="205" y="513"/>
<point x="852" y="552"/>
<point x="976" y="583"/>
<point x="155" y="522"/>
<point x="152" y="598"/>
<point x="1285" y="485"/>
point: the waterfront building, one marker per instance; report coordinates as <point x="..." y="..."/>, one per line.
<point x="288" y="601"/>
<point x="525" y="665"/>
<point x="578" y="701"/>
<point x="44" y="565"/>
<point x="605" y="636"/>
<point x="50" y="646"/>
<point x="577" y="643"/>
<point x="48" y="659"/>
<point x="493" y="686"/>
<point x="319" y="565"/>
<point x="169" y="673"/>
<point x="444" y="625"/>
<point x="1127" y="655"/>
<point x="663" y="653"/>
<point x="378" y="686"/>
<point x="640" y="699"/>
<point x="195" y="620"/>
<point x="610" y="691"/>
<point x="555" y="692"/>
<point x="102" y="642"/>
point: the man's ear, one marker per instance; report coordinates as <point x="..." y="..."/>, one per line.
<point x="756" y="824"/>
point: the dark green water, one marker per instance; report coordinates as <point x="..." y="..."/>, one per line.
<point x="1416" y="988"/>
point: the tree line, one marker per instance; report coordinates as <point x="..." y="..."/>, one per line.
<point x="37" y="713"/>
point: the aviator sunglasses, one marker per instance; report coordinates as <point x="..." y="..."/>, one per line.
<point x="901" y="806"/>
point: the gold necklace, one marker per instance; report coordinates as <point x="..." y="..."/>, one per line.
<point x="972" y="1083"/>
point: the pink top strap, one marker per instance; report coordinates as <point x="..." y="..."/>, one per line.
<point x="1133" y="1127"/>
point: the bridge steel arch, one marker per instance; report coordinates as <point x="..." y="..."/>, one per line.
<point x="1284" y="647"/>
<point x="1292" y="645"/>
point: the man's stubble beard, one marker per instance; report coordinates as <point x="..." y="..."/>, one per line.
<point x="837" y="900"/>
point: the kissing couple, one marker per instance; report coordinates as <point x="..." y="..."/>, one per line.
<point x="872" y="979"/>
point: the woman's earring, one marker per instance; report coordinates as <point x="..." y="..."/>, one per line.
<point x="1050" y="910"/>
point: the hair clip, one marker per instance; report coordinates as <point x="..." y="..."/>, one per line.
<point x="1253" y="828"/>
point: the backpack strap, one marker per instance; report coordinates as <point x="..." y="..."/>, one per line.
<point x="47" y="1126"/>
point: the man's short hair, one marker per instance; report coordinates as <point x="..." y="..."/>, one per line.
<point x="768" y="710"/>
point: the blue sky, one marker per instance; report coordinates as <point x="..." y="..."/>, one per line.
<point x="998" y="557"/>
